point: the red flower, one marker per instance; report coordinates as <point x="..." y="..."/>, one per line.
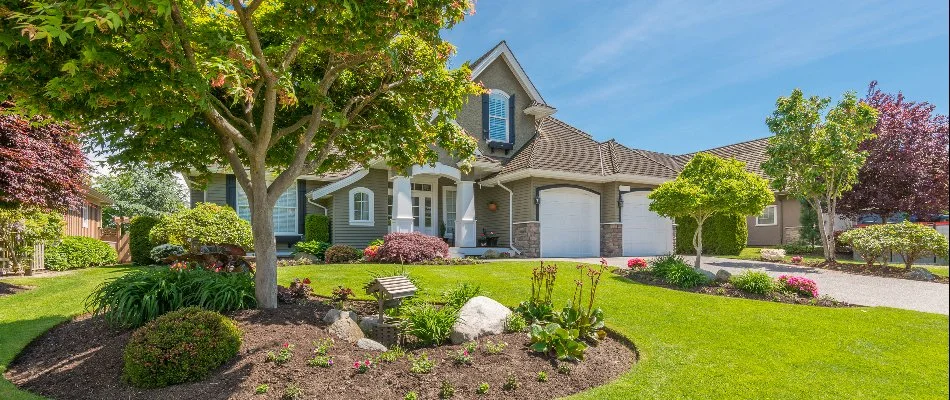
<point x="306" y="281"/>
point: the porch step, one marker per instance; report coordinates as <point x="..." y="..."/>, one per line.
<point x="457" y="252"/>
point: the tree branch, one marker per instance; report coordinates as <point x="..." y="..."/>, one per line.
<point x="230" y="153"/>
<point x="291" y="53"/>
<point x="184" y="34"/>
<point x="270" y="80"/>
<point x="222" y="108"/>
<point x="224" y="128"/>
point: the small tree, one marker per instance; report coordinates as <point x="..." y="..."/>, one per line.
<point x="709" y="185"/>
<point x="913" y="241"/>
<point x="140" y="190"/>
<point x="907" y="164"/>
<point x="808" y="224"/>
<point x="818" y="160"/>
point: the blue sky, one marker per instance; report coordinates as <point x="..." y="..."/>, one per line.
<point x="680" y="76"/>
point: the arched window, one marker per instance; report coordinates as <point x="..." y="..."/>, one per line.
<point x="498" y="116"/>
<point x="361" y="206"/>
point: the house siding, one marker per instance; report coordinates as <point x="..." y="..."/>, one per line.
<point x="498" y="76"/>
<point x="73" y="219"/>
<point x="358" y="236"/>
<point x="787" y="216"/>
<point x="492" y="221"/>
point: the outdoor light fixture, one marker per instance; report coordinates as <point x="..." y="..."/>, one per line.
<point x="537" y="200"/>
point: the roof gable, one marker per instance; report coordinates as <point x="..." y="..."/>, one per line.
<point x="504" y="52"/>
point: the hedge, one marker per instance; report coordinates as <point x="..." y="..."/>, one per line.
<point x="722" y="235"/>
<point x="140" y="247"/>
<point x="79" y="252"/>
<point x="207" y="223"/>
<point x="317" y="228"/>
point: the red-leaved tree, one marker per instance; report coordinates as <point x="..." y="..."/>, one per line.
<point x="906" y="167"/>
<point x="41" y="163"/>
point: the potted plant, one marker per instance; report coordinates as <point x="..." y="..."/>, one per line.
<point x="492" y="206"/>
<point x="488" y="239"/>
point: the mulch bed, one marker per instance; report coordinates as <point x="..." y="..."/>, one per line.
<point x="7" y="289"/>
<point x="877" y="270"/>
<point x="82" y="359"/>
<point x="726" y="289"/>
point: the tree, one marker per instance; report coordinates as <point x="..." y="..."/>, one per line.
<point x="710" y="185"/>
<point x="808" y="224"/>
<point x="913" y="241"/>
<point x="270" y="89"/>
<point x="906" y="166"/>
<point x="818" y="160"/>
<point x="140" y="190"/>
<point x="41" y="164"/>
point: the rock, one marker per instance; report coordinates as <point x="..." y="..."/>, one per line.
<point x="772" y="254"/>
<point x="334" y="315"/>
<point x="920" y="274"/>
<point x="368" y="322"/>
<point x="709" y="275"/>
<point x="370" y="344"/>
<point x="346" y="329"/>
<point x="723" y="276"/>
<point x="478" y="317"/>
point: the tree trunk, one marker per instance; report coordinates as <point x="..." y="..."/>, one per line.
<point x="830" y="233"/>
<point x="698" y="242"/>
<point x="265" y="254"/>
<point x="823" y="230"/>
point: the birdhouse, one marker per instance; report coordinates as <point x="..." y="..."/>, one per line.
<point x="389" y="291"/>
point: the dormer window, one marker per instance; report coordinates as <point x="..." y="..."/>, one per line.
<point x="498" y="116"/>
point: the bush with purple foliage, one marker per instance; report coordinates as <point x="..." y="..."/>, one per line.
<point x="411" y="247"/>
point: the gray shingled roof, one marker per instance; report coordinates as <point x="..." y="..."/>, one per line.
<point x="751" y="152"/>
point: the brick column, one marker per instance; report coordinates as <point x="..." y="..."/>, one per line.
<point x="611" y="239"/>
<point x="527" y="238"/>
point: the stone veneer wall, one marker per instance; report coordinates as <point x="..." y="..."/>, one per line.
<point x="527" y="238"/>
<point x="611" y="240"/>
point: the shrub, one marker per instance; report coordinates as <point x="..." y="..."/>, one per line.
<point x="637" y="264"/>
<point x="757" y="282"/>
<point x="316" y="228"/>
<point x="21" y="228"/>
<point x="412" y="247"/>
<point x="207" y="223"/>
<point x="371" y="252"/>
<point x="162" y="252"/>
<point x="428" y="324"/>
<point x="461" y="294"/>
<point x="135" y="298"/>
<point x="140" y="246"/>
<point x="660" y="265"/>
<point x="446" y="390"/>
<point x="800" y="247"/>
<point x="80" y="252"/>
<point x="376" y="242"/>
<point x="341" y="253"/>
<point x="871" y="243"/>
<point x="556" y="341"/>
<point x="181" y="346"/>
<point x="797" y="284"/>
<point x="515" y="323"/>
<point x="674" y="270"/>
<point x="913" y="241"/>
<point x="722" y="235"/>
<point x="315" y="248"/>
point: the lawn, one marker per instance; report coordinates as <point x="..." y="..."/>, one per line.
<point x="752" y="253"/>
<point x="692" y="345"/>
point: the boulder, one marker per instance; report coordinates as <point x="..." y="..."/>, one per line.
<point x="709" y="275"/>
<point x="920" y="274"/>
<point x="368" y="322"/>
<point x="773" y="254"/>
<point x="334" y="315"/>
<point x="346" y="329"/>
<point x="478" y="317"/>
<point x="722" y="276"/>
<point x="370" y="344"/>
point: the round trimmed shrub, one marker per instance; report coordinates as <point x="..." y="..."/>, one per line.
<point x="161" y="252"/>
<point x="757" y="282"/>
<point x="80" y="252"/>
<point x="140" y="246"/>
<point x="341" y="253"/>
<point x="207" y="223"/>
<point x="412" y="247"/>
<point x="180" y="346"/>
<point x="722" y="235"/>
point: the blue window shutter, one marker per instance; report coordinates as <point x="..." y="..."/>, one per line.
<point x="301" y="205"/>
<point x="511" y="119"/>
<point x="485" y="116"/>
<point x="230" y="191"/>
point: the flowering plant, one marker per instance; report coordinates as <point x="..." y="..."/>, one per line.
<point x="370" y="253"/>
<point x="283" y="355"/>
<point x="340" y="295"/>
<point x="362" y="367"/>
<point x="463" y="357"/>
<point x="797" y="284"/>
<point x="637" y="263"/>
<point x="797" y="260"/>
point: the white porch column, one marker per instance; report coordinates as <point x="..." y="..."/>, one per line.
<point x="402" y="205"/>
<point x="465" y="214"/>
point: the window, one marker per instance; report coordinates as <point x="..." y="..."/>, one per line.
<point x="449" y="210"/>
<point x="285" y="211"/>
<point x="498" y="116"/>
<point x="85" y="215"/>
<point x="361" y="207"/>
<point x="768" y="217"/>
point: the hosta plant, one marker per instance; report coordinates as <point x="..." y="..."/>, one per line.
<point x="553" y="340"/>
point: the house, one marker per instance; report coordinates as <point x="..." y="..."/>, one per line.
<point x="86" y="219"/>
<point x="541" y="186"/>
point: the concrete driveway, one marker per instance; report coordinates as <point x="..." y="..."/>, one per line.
<point x="856" y="289"/>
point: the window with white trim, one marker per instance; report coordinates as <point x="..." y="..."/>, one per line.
<point x="768" y="217"/>
<point x="448" y="209"/>
<point x="498" y="116"/>
<point x="85" y="216"/>
<point x="361" y="206"/>
<point x="285" y="211"/>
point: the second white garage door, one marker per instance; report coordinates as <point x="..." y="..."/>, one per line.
<point x="644" y="232"/>
<point x="570" y="222"/>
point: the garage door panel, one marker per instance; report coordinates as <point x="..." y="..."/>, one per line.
<point x="644" y="232"/>
<point x="570" y="223"/>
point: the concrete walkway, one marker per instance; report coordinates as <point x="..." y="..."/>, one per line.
<point x="855" y="289"/>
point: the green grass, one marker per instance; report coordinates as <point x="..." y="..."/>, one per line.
<point x="691" y="345"/>
<point x="753" y="253"/>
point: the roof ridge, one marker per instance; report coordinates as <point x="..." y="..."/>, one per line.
<point x="482" y="57"/>
<point x="728" y="145"/>
<point x="572" y="127"/>
<point x="655" y="161"/>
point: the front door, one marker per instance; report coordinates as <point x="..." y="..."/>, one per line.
<point x="423" y="207"/>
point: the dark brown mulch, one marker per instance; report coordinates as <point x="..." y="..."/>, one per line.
<point x="877" y="270"/>
<point x="726" y="289"/>
<point x="7" y="289"/>
<point x="82" y="359"/>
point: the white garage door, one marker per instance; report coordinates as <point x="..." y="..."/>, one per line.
<point x="644" y="232"/>
<point x="570" y="222"/>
